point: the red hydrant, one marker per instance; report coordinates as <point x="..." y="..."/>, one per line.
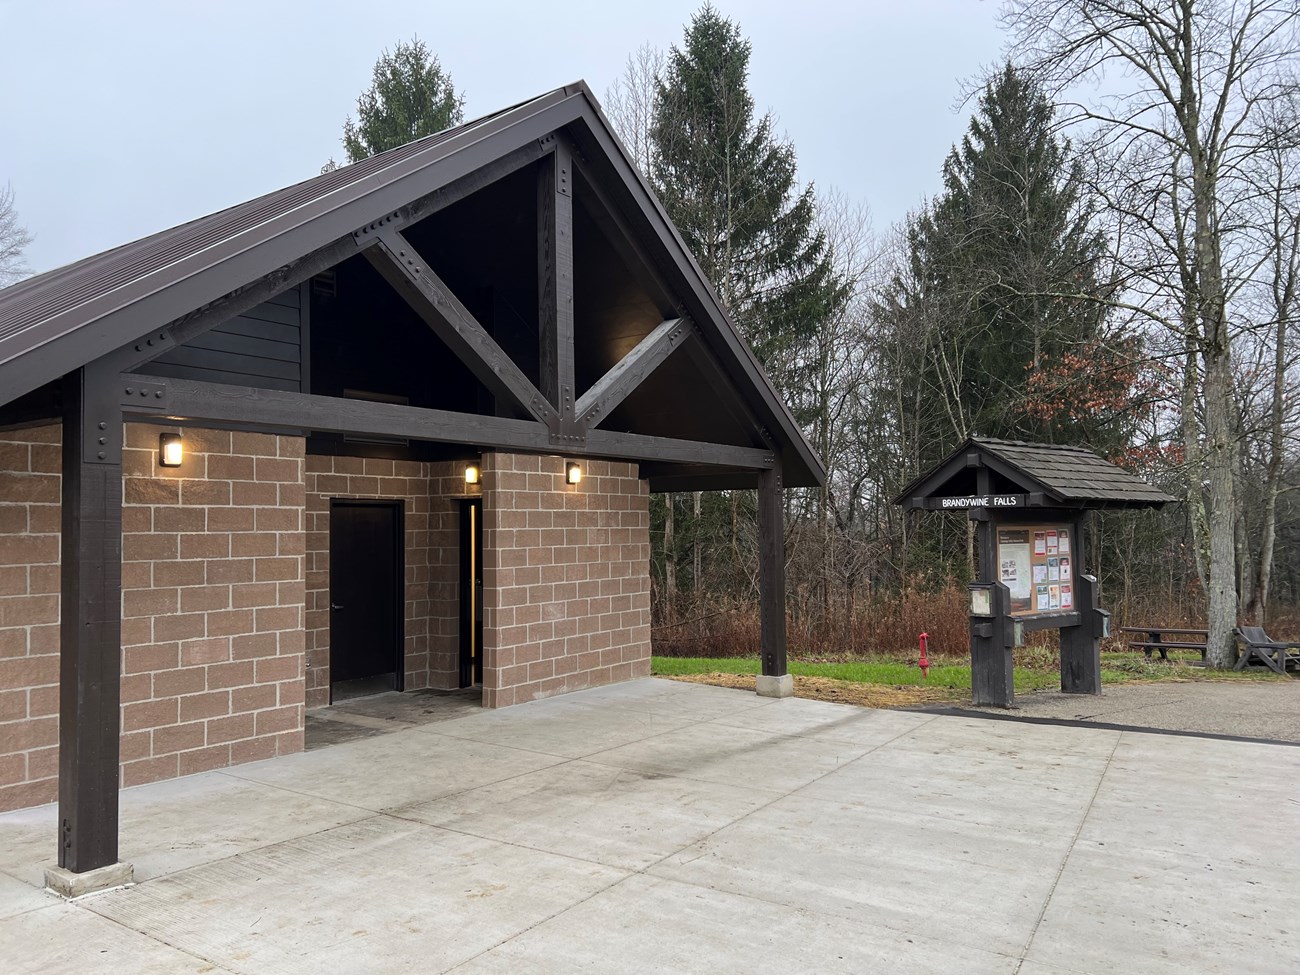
<point x="924" y="661"/>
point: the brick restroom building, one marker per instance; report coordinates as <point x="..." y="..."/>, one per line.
<point x="394" y="427"/>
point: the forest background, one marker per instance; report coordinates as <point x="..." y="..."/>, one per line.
<point x="1113" y="261"/>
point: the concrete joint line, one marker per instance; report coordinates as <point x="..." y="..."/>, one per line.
<point x="1065" y="860"/>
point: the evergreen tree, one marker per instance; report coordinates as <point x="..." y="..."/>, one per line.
<point x="729" y="185"/>
<point x="410" y="96"/>
<point x="1000" y="278"/>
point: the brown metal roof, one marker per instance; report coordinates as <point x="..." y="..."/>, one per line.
<point x="60" y="320"/>
<point x="31" y="304"/>
<point x="1064" y="475"/>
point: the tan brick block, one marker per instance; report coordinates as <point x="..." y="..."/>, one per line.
<point x="250" y="493"/>
<point x="255" y="444"/>
<point x="181" y="518"/>
<point x="277" y="569"/>
<point x="229" y="622"/>
<point x="205" y="545"/>
<point x="195" y="707"/>
<point x="203" y="598"/>
<point x="230" y="728"/>
<point x="230" y="468"/>
<point x="174" y="683"/>
<point x="178" y="737"/>
<point x="230" y="571"/>
<point x="178" y="626"/>
<point x="235" y="673"/>
<point x="251" y="645"/>
<point x="29" y="610"/>
<point x="204" y="759"/>
<point x="252" y="750"/>
<point x="136" y="687"/>
<point x="28" y="549"/>
<point x="278" y="720"/>
<point x="251" y="595"/>
<point x="178" y="573"/>
<point x="149" y="714"/>
<point x="274" y="618"/>
<point x="149" y="770"/>
<point x="205" y="492"/>
<point x="255" y="698"/>
<point x="272" y="669"/>
<point x="150" y="657"/>
<point x="142" y="490"/>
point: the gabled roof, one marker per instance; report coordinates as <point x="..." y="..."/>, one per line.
<point x="60" y="320"/>
<point x="1066" y="476"/>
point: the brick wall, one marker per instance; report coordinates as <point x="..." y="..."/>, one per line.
<point x="566" y="577"/>
<point x="212" y="602"/>
<point x="432" y="561"/>
<point x="212" y="606"/>
<point x="30" y="461"/>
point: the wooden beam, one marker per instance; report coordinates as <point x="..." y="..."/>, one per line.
<point x="90" y="631"/>
<point x="555" y="278"/>
<point x="269" y="409"/>
<point x="612" y="388"/>
<point x="403" y="268"/>
<point x="472" y="182"/>
<point x="771" y="572"/>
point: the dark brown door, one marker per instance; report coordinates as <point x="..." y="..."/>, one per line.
<point x="471" y="593"/>
<point x="366" y="569"/>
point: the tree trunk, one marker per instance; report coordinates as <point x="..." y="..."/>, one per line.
<point x="670" y="561"/>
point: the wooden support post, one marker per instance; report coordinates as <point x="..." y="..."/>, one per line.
<point x="1081" y="644"/>
<point x="555" y="279"/>
<point x="90" y="632"/>
<point x="775" y="681"/>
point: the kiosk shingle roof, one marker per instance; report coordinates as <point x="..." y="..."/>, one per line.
<point x="1074" y="473"/>
<point x="1063" y="475"/>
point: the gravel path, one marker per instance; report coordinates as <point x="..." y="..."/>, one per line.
<point x="1251" y="709"/>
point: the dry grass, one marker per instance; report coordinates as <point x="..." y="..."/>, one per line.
<point x="842" y="691"/>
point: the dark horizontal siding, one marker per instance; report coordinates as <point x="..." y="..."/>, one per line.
<point x="262" y="347"/>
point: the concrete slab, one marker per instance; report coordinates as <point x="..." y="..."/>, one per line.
<point x="1161" y="914"/>
<point x="736" y="756"/>
<point x="17" y="897"/>
<point x="830" y="722"/>
<point x="382" y="895"/>
<point x="612" y="815"/>
<point x="649" y="924"/>
<point x="391" y="771"/>
<point x="68" y="938"/>
<point x="713" y="831"/>
<point x="560" y="727"/>
<point x="964" y="884"/>
<point x="169" y="826"/>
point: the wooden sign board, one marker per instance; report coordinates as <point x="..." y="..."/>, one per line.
<point x="1036" y="562"/>
<point x="966" y="502"/>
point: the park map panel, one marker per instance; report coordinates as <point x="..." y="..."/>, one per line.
<point x="1036" y="563"/>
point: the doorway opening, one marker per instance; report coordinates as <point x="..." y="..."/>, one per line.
<point x="471" y="592"/>
<point x="367" y="572"/>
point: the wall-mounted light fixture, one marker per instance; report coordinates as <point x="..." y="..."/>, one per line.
<point x="171" y="450"/>
<point x="572" y="472"/>
<point x="471" y="473"/>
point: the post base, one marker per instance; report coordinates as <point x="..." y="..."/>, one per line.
<point x="65" y="883"/>
<point x="768" y="686"/>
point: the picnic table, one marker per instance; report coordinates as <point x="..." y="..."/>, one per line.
<point x="1166" y="638"/>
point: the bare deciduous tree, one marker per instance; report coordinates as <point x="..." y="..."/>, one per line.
<point x="1205" y="70"/>
<point x="14" y="239"/>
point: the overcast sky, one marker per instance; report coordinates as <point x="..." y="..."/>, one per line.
<point x="121" y="118"/>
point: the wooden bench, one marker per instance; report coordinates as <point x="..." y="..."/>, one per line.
<point x="1157" y="638"/>
<point x="1261" y="648"/>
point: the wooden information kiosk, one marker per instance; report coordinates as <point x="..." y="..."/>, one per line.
<point x="1030" y="503"/>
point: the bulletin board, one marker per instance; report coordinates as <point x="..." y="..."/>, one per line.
<point x="1036" y="563"/>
